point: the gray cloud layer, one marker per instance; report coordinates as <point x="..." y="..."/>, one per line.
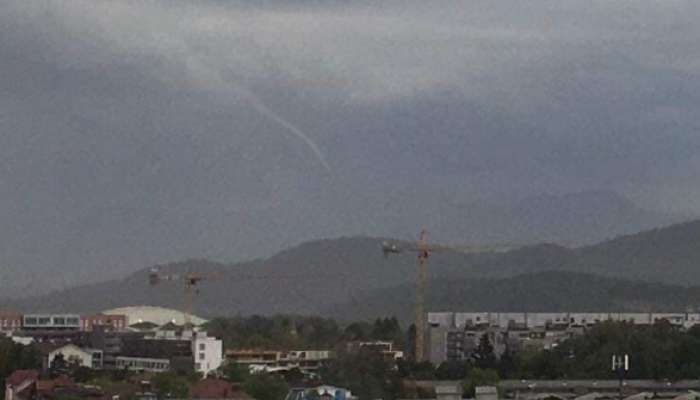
<point x="128" y="134"/>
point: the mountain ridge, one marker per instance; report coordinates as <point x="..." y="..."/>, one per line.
<point x="322" y="275"/>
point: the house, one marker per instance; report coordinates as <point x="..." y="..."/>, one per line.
<point x="211" y="388"/>
<point x="72" y="355"/>
<point x="63" y="387"/>
<point x="20" y="385"/>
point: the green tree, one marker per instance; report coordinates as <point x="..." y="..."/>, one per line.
<point x="59" y="365"/>
<point x="235" y="372"/>
<point x="452" y="370"/>
<point x="170" y="385"/>
<point x="265" y="386"/>
<point x="366" y="374"/>
<point x="14" y="356"/>
<point x="484" y="356"/>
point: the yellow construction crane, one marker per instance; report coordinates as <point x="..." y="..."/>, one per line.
<point x="190" y="281"/>
<point x="424" y="249"/>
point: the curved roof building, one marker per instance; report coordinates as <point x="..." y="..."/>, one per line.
<point x="157" y="315"/>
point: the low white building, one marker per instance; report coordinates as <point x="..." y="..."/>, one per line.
<point x="73" y="354"/>
<point x="272" y="360"/>
<point x="207" y="352"/>
<point x="23" y="340"/>
<point x="157" y="315"/>
<point x="143" y="364"/>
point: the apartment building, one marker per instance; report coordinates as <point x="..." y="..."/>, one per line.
<point x="116" y="323"/>
<point x="10" y="322"/>
<point x="51" y="322"/>
<point x="453" y="336"/>
<point x="72" y="354"/>
<point x="207" y="352"/>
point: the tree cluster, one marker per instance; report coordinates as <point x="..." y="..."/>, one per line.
<point x="659" y="351"/>
<point x="15" y="356"/>
<point x="262" y="386"/>
<point x="286" y="332"/>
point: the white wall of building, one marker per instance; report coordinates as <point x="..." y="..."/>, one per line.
<point x="207" y="352"/>
<point x="540" y="320"/>
<point x="72" y="353"/>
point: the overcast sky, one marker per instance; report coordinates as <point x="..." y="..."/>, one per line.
<point x="137" y="132"/>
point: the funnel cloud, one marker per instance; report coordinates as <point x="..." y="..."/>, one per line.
<point x="137" y="133"/>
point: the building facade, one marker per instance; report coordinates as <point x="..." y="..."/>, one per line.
<point x="207" y="352"/>
<point x="116" y="322"/>
<point x="10" y="322"/>
<point x="51" y="322"/>
<point x="271" y="360"/>
<point x="72" y="354"/>
<point x="143" y="364"/>
<point x="454" y="336"/>
<point x="385" y="348"/>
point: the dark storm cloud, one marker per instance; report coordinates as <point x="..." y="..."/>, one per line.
<point x="140" y="132"/>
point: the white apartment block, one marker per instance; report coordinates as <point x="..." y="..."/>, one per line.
<point x="207" y="352"/>
<point x="543" y="320"/>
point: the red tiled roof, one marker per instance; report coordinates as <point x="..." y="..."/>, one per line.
<point x="44" y="385"/>
<point x="62" y="381"/>
<point x="21" y="375"/>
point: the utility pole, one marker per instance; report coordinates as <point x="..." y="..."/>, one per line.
<point x="424" y="249"/>
<point x="620" y="365"/>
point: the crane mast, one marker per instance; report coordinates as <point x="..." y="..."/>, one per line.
<point x="190" y="280"/>
<point x="424" y="249"/>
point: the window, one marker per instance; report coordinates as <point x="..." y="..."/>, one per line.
<point x="59" y="321"/>
<point x="201" y="356"/>
<point x="202" y="346"/>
